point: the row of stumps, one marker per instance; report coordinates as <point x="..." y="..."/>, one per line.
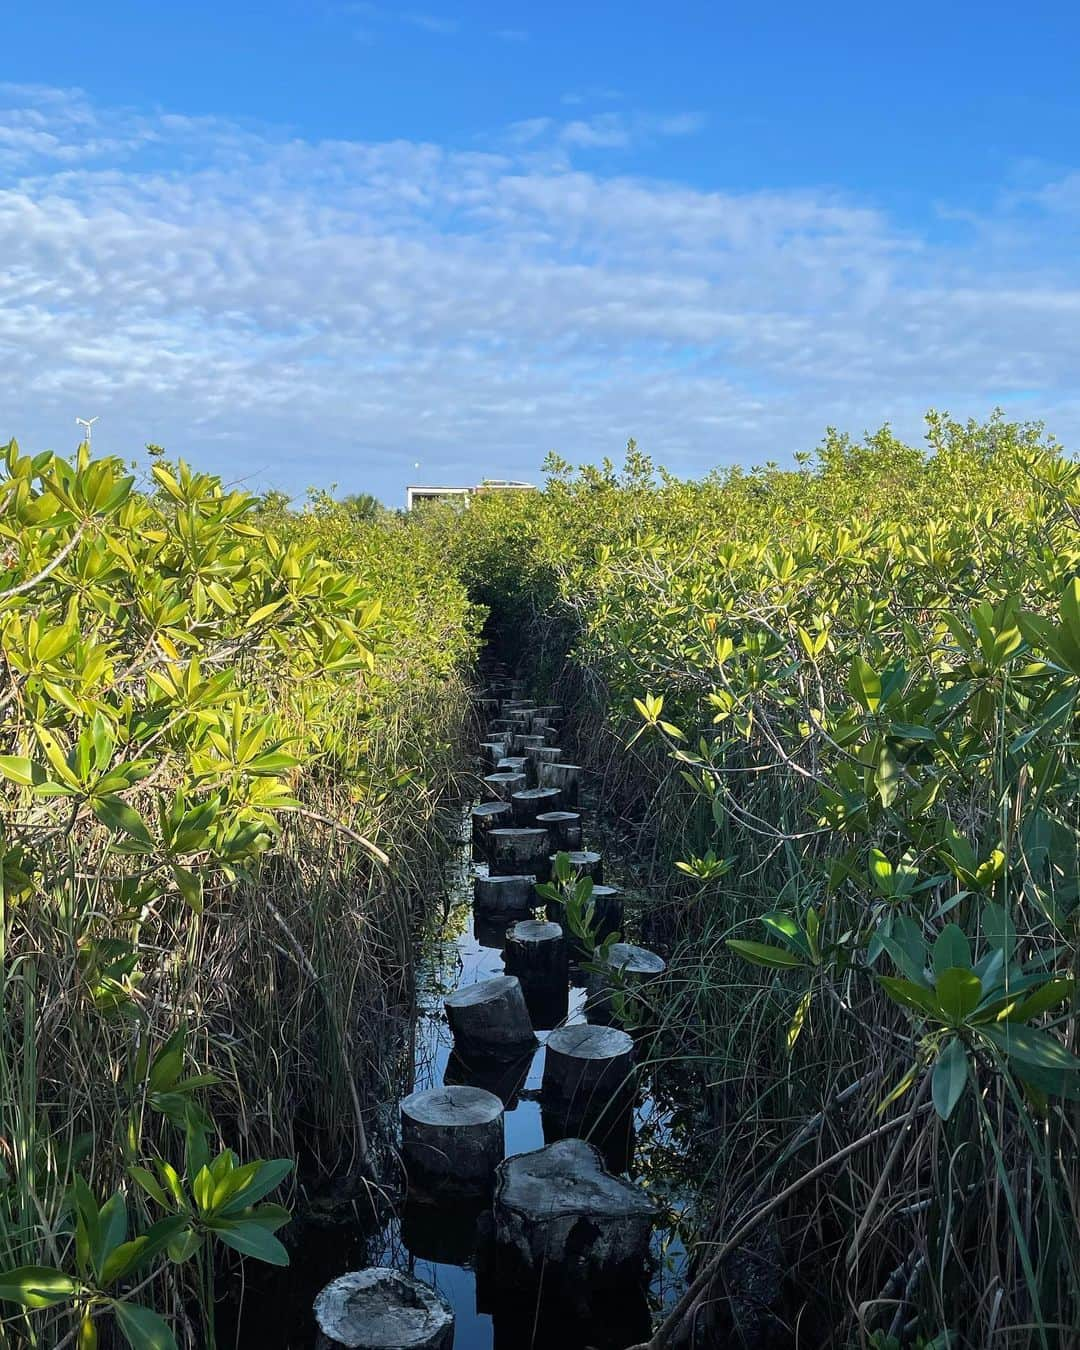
<point x="561" y="1239"/>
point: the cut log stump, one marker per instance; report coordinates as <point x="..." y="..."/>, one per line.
<point x="452" y="1139"/>
<point x="515" y="852"/>
<point x="563" y="1222"/>
<point x="383" y="1309"/>
<point x="490" y="1018"/>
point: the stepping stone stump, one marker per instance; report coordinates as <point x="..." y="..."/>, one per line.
<point x="509" y="897"/>
<point x="549" y="710"/>
<point x="490" y="1019"/>
<point x="515" y="852"/>
<point x="383" y="1309"/>
<point x="587" y="1069"/>
<point x="563" y="827"/>
<point x="536" y="953"/>
<point x="608" y="902"/>
<point x="586" y="864"/>
<point x="504" y="785"/>
<point x="487" y="817"/>
<point x="627" y="968"/>
<point x="564" y="776"/>
<point x="452" y="1139"/>
<point x="548" y="754"/>
<point x="524" y="742"/>
<point x="494" y="751"/>
<point x="564" y="1224"/>
<point x="530" y="802"/>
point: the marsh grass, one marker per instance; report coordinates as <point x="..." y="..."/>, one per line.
<point x="295" y="987"/>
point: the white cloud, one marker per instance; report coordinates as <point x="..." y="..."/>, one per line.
<point x="432" y="23"/>
<point x="290" y="311"/>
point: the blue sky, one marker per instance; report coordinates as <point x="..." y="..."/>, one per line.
<point x="321" y="242"/>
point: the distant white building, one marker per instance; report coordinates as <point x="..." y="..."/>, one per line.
<point x="415" y="494"/>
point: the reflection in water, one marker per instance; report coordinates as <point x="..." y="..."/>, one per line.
<point x="437" y="1243"/>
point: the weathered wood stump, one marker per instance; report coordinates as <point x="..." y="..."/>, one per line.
<point x="626" y="968"/>
<point x="548" y="754"/>
<point x="383" y="1309"/>
<point x="536" y="953"/>
<point x="513" y="764"/>
<point x="494" y="750"/>
<point x="515" y="852"/>
<point x="490" y="1018"/>
<point x="509" y="897"/>
<point x="525" y="741"/>
<point x="565" y="776"/>
<point x="608" y="910"/>
<point x="552" y="710"/>
<point x="588" y="1068"/>
<point x="486" y="818"/>
<point x="504" y="785"/>
<point x="530" y="802"/>
<point x="565" y="1223"/>
<point x="501" y="728"/>
<point x="563" y="827"/>
<point x="587" y="864"/>
<point x="452" y="1139"/>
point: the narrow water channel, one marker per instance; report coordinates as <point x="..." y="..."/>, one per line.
<point x="437" y="1242"/>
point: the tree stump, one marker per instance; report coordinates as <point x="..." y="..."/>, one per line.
<point x="485" y="818"/>
<point x="452" y="1139"/>
<point x="588" y="1069"/>
<point x="490" y="1018"/>
<point x="608" y="912"/>
<point x="530" y="802"/>
<point x="505" y="897"/>
<point x="586" y="864"/>
<point x="563" y="827"/>
<point x="626" y="968"/>
<point x="565" y="776"/>
<point x="494" y="750"/>
<point x="518" y="851"/>
<point x="504" y="785"/>
<point x="548" y="754"/>
<point x="383" y="1309"/>
<point x="536" y="953"/>
<point x="524" y="741"/>
<point x="564" y="1223"/>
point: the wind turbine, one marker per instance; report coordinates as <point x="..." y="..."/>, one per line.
<point x="87" y="424"/>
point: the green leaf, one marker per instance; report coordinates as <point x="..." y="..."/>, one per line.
<point x="798" y="1021"/>
<point x="999" y="929"/>
<point x="118" y="816"/>
<point x="37" y="1286"/>
<point x="864" y="684"/>
<point x="22" y="771"/>
<point x="269" y="1176"/>
<point x="952" y="949"/>
<point x="910" y="995"/>
<point x="949" y="1078"/>
<point x="251" y="1238"/>
<point x="958" y="992"/>
<point x="143" y="1328"/>
<point x="1042" y="1000"/>
<point x="763" y="954"/>
<point x="1028" y="1045"/>
<point x="888" y="776"/>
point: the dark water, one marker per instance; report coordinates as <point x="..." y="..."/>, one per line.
<point x="435" y="1243"/>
